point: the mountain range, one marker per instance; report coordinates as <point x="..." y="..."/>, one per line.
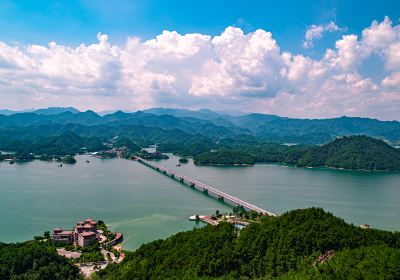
<point x="206" y="123"/>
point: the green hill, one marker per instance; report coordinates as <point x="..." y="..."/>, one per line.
<point x="354" y="152"/>
<point x="278" y="247"/>
<point x="34" y="260"/>
<point x="228" y="157"/>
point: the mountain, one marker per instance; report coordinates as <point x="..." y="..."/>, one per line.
<point x="354" y="152"/>
<point x="212" y="125"/>
<point x="46" y="111"/>
<point x="55" y="110"/>
<point x="7" y="112"/>
<point x="204" y="114"/>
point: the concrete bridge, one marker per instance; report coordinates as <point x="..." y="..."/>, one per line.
<point x="229" y="199"/>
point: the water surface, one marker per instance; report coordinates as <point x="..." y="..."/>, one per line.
<point x="146" y="205"/>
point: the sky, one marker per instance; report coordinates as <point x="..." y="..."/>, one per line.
<point x="304" y="59"/>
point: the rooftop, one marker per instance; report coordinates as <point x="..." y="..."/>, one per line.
<point x="87" y="234"/>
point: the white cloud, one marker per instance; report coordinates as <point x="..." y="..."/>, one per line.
<point x="233" y="70"/>
<point x="317" y="32"/>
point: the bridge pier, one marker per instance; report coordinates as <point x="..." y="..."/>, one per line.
<point x="239" y="205"/>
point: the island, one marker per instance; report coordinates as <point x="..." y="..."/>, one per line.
<point x="183" y="160"/>
<point x="348" y="152"/>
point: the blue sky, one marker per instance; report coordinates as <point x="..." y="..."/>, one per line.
<point x="73" y="22"/>
<point x="293" y="58"/>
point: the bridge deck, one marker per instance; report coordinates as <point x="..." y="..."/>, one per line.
<point x="227" y="198"/>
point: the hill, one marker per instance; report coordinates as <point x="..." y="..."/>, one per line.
<point x="279" y="247"/>
<point x="225" y="157"/>
<point x="354" y="152"/>
<point x="34" y="260"/>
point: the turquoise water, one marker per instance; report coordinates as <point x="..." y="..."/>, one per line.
<point x="146" y="205"/>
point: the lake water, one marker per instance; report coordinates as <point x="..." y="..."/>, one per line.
<point x="145" y="205"/>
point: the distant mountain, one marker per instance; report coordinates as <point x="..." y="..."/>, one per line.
<point x="44" y="111"/>
<point x="316" y="131"/>
<point x="55" y="110"/>
<point x="7" y="112"/>
<point x="204" y="114"/>
<point x="354" y="152"/>
<point x="216" y="126"/>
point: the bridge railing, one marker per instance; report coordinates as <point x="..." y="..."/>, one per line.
<point x="207" y="187"/>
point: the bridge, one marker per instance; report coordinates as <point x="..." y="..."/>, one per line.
<point x="229" y="199"/>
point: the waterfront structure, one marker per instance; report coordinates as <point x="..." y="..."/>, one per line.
<point x="83" y="234"/>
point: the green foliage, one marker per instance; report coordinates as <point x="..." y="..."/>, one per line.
<point x="68" y="160"/>
<point x="150" y="156"/>
<point x="107" y="233"/>
<point x="23" y="157"/>
<point x="127" y="144"/>
<point x="354" y="152"/>
<point x="183" y="160"/>
<point x="224" y="157"/>
<point x="371" y="262"/>
<point x="34" y="260"/>
<point x="270" y="248"/>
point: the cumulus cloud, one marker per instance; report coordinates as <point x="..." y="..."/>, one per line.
<point x="233" y="70"/>
<point x="317" y="31"/>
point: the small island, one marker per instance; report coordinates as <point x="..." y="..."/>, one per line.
<point x="152" y="156"/>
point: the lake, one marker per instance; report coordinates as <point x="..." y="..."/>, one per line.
<point x="145" y="205"/>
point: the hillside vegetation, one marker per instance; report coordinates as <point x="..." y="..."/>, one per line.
<point x="286" y="247"/>
<point x="34" y="260"/>
<point x="354" y="152"/>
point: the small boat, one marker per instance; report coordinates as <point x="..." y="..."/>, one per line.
<point x="87" y="161"/>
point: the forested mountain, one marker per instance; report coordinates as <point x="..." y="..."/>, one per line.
<point x="244" y="139"/>
<point x="354" y="152"/>
<point x="284" y="247"/>
<point x="214" y="125"/>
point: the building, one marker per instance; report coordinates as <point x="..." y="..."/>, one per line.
<point x="85" y="238"/>
<point x="83" y="234"/>
<point x="63" y="236"/>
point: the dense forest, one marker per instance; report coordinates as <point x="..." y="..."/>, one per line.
<point x="34" y="260"/>
<point x="353" y="152"/>
<point x="285" y="247"/>
<point x="228" y="157"/>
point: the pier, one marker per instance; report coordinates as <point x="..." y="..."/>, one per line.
<point x="220" y="195"/>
